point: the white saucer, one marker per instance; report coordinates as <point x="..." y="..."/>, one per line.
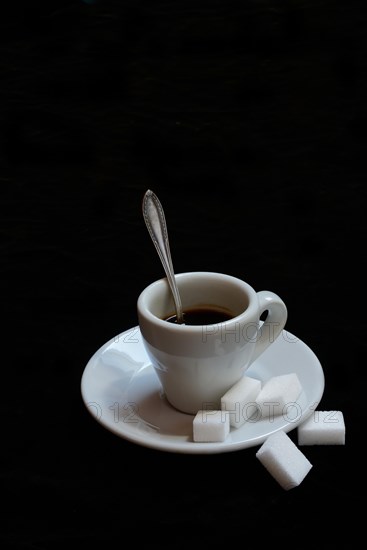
<point x="121" y="390"/>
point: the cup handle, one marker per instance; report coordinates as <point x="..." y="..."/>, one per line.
<point x="274" y="323"/>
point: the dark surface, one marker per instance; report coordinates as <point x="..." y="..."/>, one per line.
<point x="248" y="119"/>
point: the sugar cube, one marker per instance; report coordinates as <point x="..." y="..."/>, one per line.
<point x="210" y="426"/>
<point x="279" y="394"/>
<point x="322" y="428"/>
<point x="283" y="460"/>
<point x="239" y="400"/>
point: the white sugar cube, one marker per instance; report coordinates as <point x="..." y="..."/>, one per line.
<point x="279" y="395"/>
<point x="239" y="400"/>
<point x="322" y="428"/>
<point x="283" y="460"/>
<point x="210" y="426"/>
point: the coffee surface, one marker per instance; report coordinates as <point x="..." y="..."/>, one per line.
<point x="203" y="316"/>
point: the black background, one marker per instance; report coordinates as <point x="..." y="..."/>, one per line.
<point x="248" y="119"/>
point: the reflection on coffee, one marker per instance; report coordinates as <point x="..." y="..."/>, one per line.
<point x="204" y="315"/>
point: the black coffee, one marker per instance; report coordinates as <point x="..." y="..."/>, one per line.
<point x="203" y="316"/>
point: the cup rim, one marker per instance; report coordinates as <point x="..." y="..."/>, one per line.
<point x="150" y="317"/>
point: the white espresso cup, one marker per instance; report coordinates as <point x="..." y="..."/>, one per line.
<point x="197" y="364"/>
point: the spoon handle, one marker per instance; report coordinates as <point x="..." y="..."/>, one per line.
<point x="156" y="223"/>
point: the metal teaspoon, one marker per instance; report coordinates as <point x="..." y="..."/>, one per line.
<point x="156" y="223"/>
